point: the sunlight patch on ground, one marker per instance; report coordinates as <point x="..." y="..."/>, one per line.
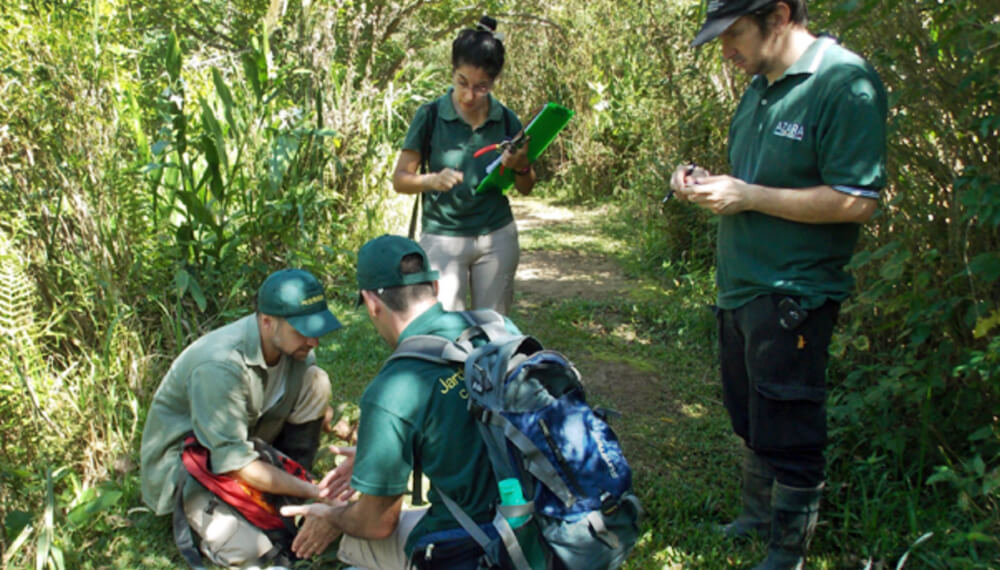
<point x="556" y="274"/>
<point x="546" y="226"/>
<point x="694" y="410"/>
<point x="545" y="238"/>
<point x="536" y="217"/>
<point x="567" y="275"/>
<point x="628" y="334"/>
<point x="670" y="557"/>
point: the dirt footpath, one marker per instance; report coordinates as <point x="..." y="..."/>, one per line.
<point x="546" y="274"/>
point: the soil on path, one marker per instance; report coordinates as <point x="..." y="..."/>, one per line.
<point x="547" y="276"/>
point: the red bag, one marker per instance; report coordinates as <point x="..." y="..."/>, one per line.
<point x="260" y="508"/>
<point x="257" y="507"/>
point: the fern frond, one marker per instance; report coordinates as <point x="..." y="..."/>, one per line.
<point x="17" y="323"/>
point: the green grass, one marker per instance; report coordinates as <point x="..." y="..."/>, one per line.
<point x="654" y="345"/>
<point x="647" y="350"/>
<point x="352" y="355"/>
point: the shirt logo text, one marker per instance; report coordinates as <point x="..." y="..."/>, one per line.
<point x="454" y="380"/>
<point x="788" y="130"/>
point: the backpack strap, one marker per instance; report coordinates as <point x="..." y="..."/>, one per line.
<point x="503" y="528"/>
<point x="425" y="162"/>
<point x="534" y="460"/>
<point x="486" y="322"/>
<point x="183" y="536"/>
<point x="440" y="350"/>
<point x="508" y="121"/>
<point x="430" y="348"/>
<point x="425" y="143"/>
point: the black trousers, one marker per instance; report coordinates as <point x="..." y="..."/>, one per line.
<point x="774" y="385"/>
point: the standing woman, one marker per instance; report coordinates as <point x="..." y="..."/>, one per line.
<point x="470" y="238"/>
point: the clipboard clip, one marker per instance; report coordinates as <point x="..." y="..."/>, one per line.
<point x="513" y="143"/>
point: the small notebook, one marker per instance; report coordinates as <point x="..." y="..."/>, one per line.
<point x="542" y="129"/>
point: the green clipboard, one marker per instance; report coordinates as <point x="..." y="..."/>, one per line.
<point x="542" y="129"/>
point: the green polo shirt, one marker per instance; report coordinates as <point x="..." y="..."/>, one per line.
<point x="215" y="388"/>
<point x="821" y="123"/>
<point x="418" y="405"/>
<point x="460" y="211"/>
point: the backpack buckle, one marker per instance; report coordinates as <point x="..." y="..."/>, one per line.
<point x="608" y="503"/>
<point x="482" y="413"/>
<point x="606" y="414"/>
<point x="481" y="383"/>
<point x="429" y="551"/>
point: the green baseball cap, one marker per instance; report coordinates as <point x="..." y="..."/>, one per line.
<point x="379" y="259"/>
<point x="296" y="296"/>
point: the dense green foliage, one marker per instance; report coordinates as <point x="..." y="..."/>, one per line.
<point x="157" y="159"/>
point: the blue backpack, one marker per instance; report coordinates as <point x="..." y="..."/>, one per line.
<point x="539" y="430"/>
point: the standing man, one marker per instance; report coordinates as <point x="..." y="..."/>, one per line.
<point x="254" y="378"/>
<point x="413" y="412"/>
<point x="807" y="148"/>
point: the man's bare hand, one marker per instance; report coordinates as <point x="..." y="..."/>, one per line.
<point x="336" y="484"/>
<point x="684" y="176"/>
<point x="721" y="194"/>
<point x="316" y="532"/>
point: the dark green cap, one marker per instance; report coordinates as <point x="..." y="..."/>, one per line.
<point x="378" y="263"/>
<point x="296" y="296"/>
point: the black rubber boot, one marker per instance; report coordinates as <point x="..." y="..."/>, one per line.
<point x="300" y="441"/>
<point x="755" y="518"/>
<point x="795" y="512"/>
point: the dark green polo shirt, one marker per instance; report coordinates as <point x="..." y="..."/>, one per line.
<point x="821" y="123"/>
<point x="460" y="211"/>
<point x="417" y="405"/>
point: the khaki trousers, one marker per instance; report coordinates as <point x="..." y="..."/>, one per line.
<point x="480" y="266"/>
<point x="386" y="553"/>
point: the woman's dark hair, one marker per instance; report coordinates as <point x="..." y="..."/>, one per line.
<point x="798" y="14"/>
<point x="479" y="47"/>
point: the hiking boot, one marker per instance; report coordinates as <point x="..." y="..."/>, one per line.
<point x="300" y="441"/>
<point x="755" y="518"/>
<point x="795" y="512"/>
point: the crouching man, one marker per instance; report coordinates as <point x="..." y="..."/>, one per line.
<point x="255" y="378"/>
<point x="413" y="412"/>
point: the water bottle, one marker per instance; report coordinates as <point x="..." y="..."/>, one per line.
<point x="511" y="494"/>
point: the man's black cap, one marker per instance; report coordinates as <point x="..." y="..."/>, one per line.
<point x="722" y="13"/>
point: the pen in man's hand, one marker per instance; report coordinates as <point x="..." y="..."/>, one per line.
<point x="687" y="172"/>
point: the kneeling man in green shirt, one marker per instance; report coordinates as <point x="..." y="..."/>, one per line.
<point x="254" y="378"/>
<point x="413" y="412"/>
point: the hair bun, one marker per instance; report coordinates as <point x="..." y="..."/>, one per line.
<point x="487" y="24"/>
